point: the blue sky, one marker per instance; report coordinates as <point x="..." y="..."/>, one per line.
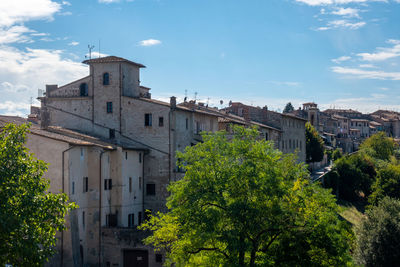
<point x="337" y="53"/>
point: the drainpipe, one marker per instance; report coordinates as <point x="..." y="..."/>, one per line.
<point x="142" y="185"/>
<point x="62" y="187"/>
<point x="100" y="189"/>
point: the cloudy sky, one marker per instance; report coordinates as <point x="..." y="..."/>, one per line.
<point x="337" y="53"/>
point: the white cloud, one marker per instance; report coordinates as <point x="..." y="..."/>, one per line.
<point x="347" y="12"/>
<point x="19" y="11"/>
<point x="367" y="66"/>
<point x="14" y="34"/>
<point x="336" y="2"/>
<point x="285" y="83"/>
<point x="367" y="74"/>
<point x="383" y="53"/>
<point x="149" y="42"/>
<point x="14" y="108"/>
<point x="66" y="3"/>
<point x="341" y="59"/>
<point x="23" y="72"/>
<point x="108" y="1"/>
<point x="342" y="23"/>
<point x="73" y="43"/>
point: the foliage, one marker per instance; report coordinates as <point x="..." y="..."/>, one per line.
<point x="314" y="144"/>
<point x="379" y="146"/>
<point x="288" y="108"/>
<point x="29" y="216"/>
<point x="378" y="236"/>
<point x="243" y="203"/>
<point x="352" y="175"/>
<point x="336" y="154"/>
<point x="387" y="183"/>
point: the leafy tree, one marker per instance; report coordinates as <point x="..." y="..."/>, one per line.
<point x="378" y="235"/>
<point x="288" y="108"/>
<point x="29" y="216"/>
<point x="337" y="154"/>
<point x="352" y="175"/>
<point x="314" y="144"/>
<point x="379" y="146"/>
<point x="387" y="183"/>
<point x="243" y="203"/>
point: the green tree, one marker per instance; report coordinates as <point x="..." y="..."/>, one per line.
<point x="288" y="108"/>
<point x="387" y="183"/>
<point x="29" y="215"/>
<point x="243" y="203"/>
<point x="337" y="154"/>
<point x="314" y="144"/>
<point x="351" y="176"/>
<point x="378" y="235"/>
<point x="379" y="146"/>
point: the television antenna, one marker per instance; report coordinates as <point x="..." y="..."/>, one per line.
<point x="90" y="47"/>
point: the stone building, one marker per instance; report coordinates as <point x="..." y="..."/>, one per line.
<point x="292" y="127"/>
<point x="112" y="149"/>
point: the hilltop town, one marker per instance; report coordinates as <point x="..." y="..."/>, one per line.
<point x="112" y="150"/>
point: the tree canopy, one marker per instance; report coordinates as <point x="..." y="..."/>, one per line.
<point x="29" y="215"/>
<point x="314" y="144"/>
<point x="378" y="235"/>
<point x="379" y="146"/>
<point x="243" y="203"/>
<point x="288" y="108"/>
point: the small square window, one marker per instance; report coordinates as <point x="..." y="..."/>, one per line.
<point x="109" y="107"/>
<point x="147" y="119"/>
<point x="111" y="133"/>
<point x="151" y="189"/>
<point x="131" y="220"/>
<point x="160" y="121"/>
<point x="85" y="184"/>
<point x="107" y="184"/>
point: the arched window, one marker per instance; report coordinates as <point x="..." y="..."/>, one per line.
<point x="83" y="88"/>
<point x="106" y="78"/>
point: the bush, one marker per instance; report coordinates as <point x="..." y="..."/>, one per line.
<point x="378" y="235"/>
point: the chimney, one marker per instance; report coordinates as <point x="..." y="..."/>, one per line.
<point x="50" y="87"/>
<point x="172" y="102"/>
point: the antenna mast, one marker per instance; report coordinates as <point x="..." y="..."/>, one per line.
<point x="90" y="50"/>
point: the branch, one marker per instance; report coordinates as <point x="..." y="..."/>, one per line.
<point x="209" y="249"/>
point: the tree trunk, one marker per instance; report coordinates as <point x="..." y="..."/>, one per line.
<point x="241" y="251"/>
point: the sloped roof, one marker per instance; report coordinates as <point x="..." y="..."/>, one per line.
<point x="111" y="59"/>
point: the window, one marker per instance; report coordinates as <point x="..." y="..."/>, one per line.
<point x="106" y="78"/>
<point x="147" y="119"/>
<point x="158" y="257"/>
<point x="73" y="188"/>
<point x="83" y="89"/>
<point x="126" y="155"/>
<point x="111" y="220"/>
<point x="300" y="145"/>
<point x="130" y="184"/>
<point x="187" y="123"/>
<point x="111" y="133"/>
<point x="151" y="189"/>
<point x="107" y="184"/>
<point x="82" y="155"/>
<point x="131" y="220"/>
<point x="290" y="143"/>
<point x="109" y="107"/>
<point x="140" y="157"/>
<point x="85" y="184"/>
<point x="140" y="218"/>
<point x="83" y="218"/>
<point x="266" y="136"/>
<point x="140" y="182"/>
<point x="160" y="121"/>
